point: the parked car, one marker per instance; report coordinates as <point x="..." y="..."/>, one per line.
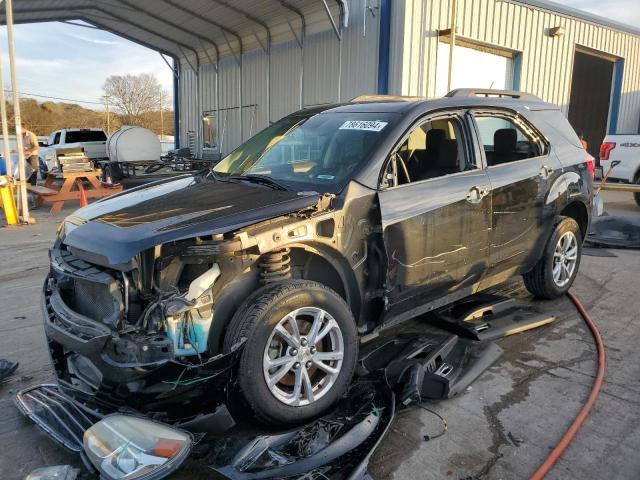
<point x="91" y="140"/>
<point x="329" y="226"/>
<point x="624" y="149"/>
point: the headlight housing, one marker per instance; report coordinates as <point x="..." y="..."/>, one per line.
<point x="123" y="447"/>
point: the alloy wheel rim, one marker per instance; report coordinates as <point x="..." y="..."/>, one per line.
<point x="565" y="259"/>
<point x="303" y="357"/>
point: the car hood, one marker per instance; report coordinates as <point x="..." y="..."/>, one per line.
<point x="112" y="231"/>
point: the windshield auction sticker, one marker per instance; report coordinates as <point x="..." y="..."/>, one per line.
<point x="367" y="125"/>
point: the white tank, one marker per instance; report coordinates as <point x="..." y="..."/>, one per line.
<point x="133" y="144"/>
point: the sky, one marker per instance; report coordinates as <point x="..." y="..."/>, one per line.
<point x="66" y="61"/>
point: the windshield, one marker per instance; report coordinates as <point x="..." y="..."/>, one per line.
<point x="316" y="151"/>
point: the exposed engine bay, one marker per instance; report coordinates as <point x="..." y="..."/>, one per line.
<point x="152" y="324"/>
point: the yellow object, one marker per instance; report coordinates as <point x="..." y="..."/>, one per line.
<point x="7" y="202"/>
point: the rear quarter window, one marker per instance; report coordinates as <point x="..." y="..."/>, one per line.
<point x="85" y="136"/>
<point x="552" y="123"/>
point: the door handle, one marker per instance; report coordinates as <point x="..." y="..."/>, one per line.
<point x="546" y="171"/>
<point x="476" y="194"/>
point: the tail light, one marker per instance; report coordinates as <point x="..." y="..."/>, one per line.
<point x="591" y="166"/>
<point x="605" y="150"/>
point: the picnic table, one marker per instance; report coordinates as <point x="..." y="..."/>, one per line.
<point x="59" y="187"/>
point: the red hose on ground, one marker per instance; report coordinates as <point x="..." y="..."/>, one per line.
<point x="584" y="411"/>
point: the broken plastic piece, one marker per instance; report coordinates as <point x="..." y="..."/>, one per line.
<point x="428" y="366"/>
<point x="215" y="422"/>
<point x="489" y="317"/>
<point x="56" y="414"/>
<point x="336" y="446"/>
<point x="59" y="472"/>
<point x="7" y="368"/>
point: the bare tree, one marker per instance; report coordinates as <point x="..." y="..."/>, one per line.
<point x="134" y="97"/>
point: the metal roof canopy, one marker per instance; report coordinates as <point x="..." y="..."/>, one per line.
<point x="194" y="30"/>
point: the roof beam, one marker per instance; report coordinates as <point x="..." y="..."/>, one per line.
<point x="251" y="18"/>
<point x="303" y="21"/>
<point x="213" y="23"/>
<point x="336" y="30"/>
<point x="172" y="24"/>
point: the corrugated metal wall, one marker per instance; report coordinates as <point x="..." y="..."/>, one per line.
<point x="546" y="61"/>
<point x="324" y="71"/>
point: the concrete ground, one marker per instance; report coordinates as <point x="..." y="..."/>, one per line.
<point x="502" y="428"/>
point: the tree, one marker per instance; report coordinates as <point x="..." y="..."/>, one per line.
<point x="134" y="97"/>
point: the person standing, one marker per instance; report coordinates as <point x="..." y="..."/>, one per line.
<point x="30" y="144"/>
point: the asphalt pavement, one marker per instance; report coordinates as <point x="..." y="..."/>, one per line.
<point x="501" y="428"/>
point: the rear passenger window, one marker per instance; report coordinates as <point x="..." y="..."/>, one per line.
<point x="505" y="141"/>
<point x="433" y="149"/>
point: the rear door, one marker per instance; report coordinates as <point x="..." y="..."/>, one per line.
<point x="520" y="172"/>
<point x="435" y="210"/>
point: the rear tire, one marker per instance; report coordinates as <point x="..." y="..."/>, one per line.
<point x="558" y="266"/>
<point x="636" y="196"/>
<point x="289" y="378"/>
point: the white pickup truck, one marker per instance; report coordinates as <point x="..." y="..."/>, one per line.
<point x="626" y="150"/>
<point x="92" y="140"/>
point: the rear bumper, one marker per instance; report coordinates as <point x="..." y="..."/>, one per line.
<point x="169" y="389"/>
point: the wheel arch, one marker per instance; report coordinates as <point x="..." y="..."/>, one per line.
<point x="579" y="212"/>
<point x="337" y="274"/>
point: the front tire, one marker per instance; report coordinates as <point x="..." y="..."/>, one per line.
<point x="558" y="266"/>
<point x="300" y="351"/>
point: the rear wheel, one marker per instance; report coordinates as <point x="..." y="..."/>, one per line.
<point x="556" y="270"/>
<point x="636" y="196"/>
<point x="300" y="351"/>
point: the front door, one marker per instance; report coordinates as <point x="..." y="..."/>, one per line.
<point x="436" y="212"/>
<point x="515" y="158"/>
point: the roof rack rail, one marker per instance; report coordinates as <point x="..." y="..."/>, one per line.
<point x="384" y="98"/>
<point x="487" y="92"/>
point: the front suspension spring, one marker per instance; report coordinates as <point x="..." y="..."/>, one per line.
<point x="275" y="266"/>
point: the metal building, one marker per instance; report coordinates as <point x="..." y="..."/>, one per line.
<point x="240" y="64"/>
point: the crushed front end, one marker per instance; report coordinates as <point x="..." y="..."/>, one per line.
<point x="120" y="341"/>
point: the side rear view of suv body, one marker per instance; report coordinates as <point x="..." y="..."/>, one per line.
<point x="330" y="224"/>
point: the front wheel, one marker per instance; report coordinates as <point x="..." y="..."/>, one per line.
<point x="556" y="270"/>
<point x="300" y="350"/>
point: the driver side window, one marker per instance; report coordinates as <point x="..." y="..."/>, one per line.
<point x="434" y="148"/>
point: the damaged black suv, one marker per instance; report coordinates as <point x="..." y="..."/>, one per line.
<point x="258" y="279"/>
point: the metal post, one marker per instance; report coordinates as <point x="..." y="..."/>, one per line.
<point x="161" y="118"/>
<point x="106" y="101"/>
<point x="5" y="124"/>
<point x="24" y="204"/>
<point x="452" y="44"/>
